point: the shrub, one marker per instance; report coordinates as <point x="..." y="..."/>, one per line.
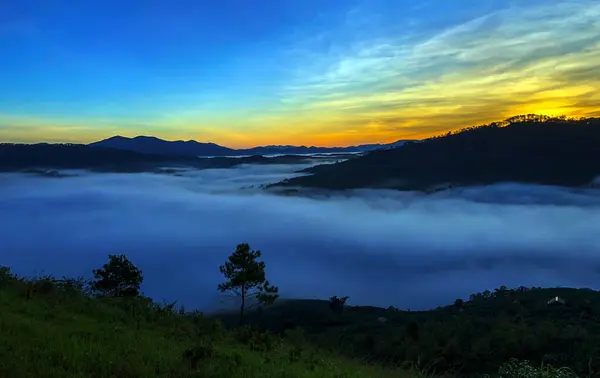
<point x="523" y="369"/>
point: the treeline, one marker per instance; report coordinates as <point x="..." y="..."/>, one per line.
<point x="549" y="326"/>
<point x="522" y="118"/>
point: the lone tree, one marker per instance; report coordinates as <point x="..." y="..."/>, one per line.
<point x="246" y="279"/>
<point x="118" y="278"/>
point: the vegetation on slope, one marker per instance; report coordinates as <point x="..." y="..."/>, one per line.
<point x="105" y="328"/>
<point x="529" y="149"/>
<point x="471" y="337"/>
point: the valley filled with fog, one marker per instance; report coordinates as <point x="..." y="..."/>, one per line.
<point x="381" y="248"/>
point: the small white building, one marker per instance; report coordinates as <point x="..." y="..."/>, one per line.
<point x="555" y="300"/>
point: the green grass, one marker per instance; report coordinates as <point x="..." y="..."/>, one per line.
<point x="52" y="334"/>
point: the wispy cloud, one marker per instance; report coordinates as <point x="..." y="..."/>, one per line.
<point x="527" y="58"/>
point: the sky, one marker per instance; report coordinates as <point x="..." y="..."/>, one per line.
<point x="244" y="73"/>
<point x="381" y="248"/>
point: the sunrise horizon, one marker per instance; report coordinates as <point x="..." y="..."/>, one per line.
<point x="338" y="74"/>
<point x="393" y="140"/>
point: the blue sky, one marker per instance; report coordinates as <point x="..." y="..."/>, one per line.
<point x="243" y="73"/>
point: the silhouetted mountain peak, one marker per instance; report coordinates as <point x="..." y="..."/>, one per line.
<point x="117" y="137"/>
<point x="149" y="138"/>
<point x="153" y="145"/>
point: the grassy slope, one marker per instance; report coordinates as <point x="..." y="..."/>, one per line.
<point x="62" y="334"/>
<point x="53" y="328"/>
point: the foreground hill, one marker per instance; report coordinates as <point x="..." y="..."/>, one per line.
<point x="52" y="328"/>
<point x="471" y="337"/>
<point x="40" y="157"/>
<point x="153" y="145"/>
<point x="528" y="149"/>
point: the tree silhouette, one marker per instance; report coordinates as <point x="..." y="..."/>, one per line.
<point x="246" y="279"/>
<point x="118" y="278"/>
<point x="337" y="304"/>
<point x="459" y="303"/>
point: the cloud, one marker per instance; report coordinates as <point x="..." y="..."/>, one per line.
<point x="529" y="58"/>
<point x="379" y="247"/>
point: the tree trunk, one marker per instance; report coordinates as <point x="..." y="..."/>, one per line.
<point x="243" y="305"/>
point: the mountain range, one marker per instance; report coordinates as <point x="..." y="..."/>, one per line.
<point x="45" y="159"/>
<point x="525" y="149"/>
<point x="153" y="145"/>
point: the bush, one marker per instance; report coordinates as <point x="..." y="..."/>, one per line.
<point x="7" y="276"/>
<point x="256" y="339"/>
<point x="44" y="285"/>
<point x="202" y="351"/>
<point x="73" y="286"/>
<point x="523" y="369"/>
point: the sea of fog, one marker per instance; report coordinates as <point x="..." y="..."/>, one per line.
<point x="379" y="247"/>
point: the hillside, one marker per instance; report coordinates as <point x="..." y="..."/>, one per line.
<point x="527" y="149"/>
<point x="14" y="157"/>
<point x="40" y="157"/>
<point x="153" y="145"/>
<point x="473" y="336"/>
<point x="51" y="328"/>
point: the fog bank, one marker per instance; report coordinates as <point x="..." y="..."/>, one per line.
<point x="378" y="247"/>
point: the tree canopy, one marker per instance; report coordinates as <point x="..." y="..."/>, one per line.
<point x="118" y="278"/>
<point x="245" y="278"/>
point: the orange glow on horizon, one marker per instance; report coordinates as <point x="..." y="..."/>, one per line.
<point x="333" y="139"/>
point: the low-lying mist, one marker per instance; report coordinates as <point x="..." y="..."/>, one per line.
<point x="378" y="247"/>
